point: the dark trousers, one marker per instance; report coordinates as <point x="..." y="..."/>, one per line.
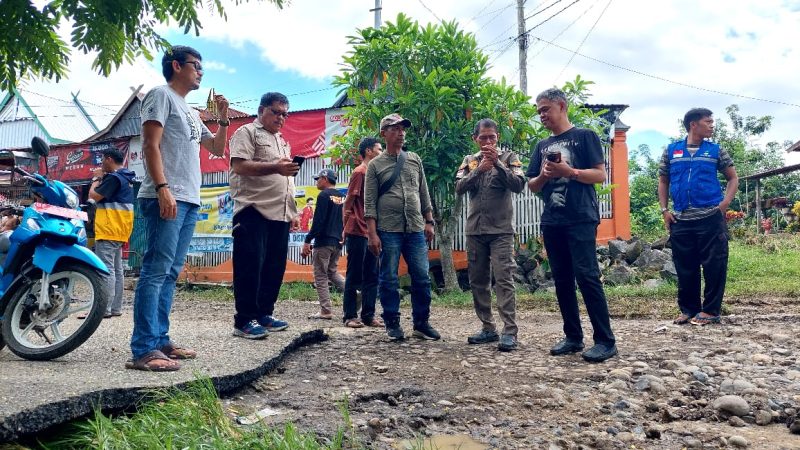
<point x="260" y="247"/>
<point x="572" y="253"/>
<point x="695" y="244"/>
<point x="362" y="274"/>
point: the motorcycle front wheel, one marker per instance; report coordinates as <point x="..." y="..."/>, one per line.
<point x="73" y="291"/>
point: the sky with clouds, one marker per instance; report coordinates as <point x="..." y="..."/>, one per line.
<point x="660" y="58"/>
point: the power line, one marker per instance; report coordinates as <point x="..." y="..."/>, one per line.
<point x="429" y="10"/>
<point x="537" y="12"/>
<point x="666" y="80"/>
<point x="583" y="41"/>
<point x="564" y="30"/>
<point x="487" y="5"/>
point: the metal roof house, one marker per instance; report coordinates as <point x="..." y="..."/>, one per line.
<point x="25" y="114"/>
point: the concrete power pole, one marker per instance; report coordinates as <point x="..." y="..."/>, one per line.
<point x="522" y="40"/>
<point x="377" y="11"/>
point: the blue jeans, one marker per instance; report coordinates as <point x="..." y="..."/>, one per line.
<point x="414" y="249"/>
<point x="167" y="244"/>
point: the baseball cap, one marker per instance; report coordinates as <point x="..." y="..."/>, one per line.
<point x="327" y="173"/>
<point x="394" y="119"/>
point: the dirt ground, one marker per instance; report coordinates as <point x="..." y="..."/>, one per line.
<point x="734" y="385"/>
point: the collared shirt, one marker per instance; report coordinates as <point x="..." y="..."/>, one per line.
<point x="353" y="210"/>
<point x="271" y="195"/>
<point x="490" y="193"/>
<point x="402" y="207"/>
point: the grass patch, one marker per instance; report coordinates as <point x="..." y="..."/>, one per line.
<point x="191" y="418"/>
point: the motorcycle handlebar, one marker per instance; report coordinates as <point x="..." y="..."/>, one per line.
<point x="28" y="176"/>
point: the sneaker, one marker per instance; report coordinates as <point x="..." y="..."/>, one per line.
<point x="251" y="330"/>
<point x="599" y="353"/>
<point x="566" y="346"/>
<point x="484" y="337"/>
<point x="272" y="324"/>
<point x="507" y="343"/>
<point x="426" y="331"/>
<point x="395" y="332"/>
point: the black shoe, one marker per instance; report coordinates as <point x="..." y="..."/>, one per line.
<point x="507" y="343"/>
<point x="599" y="353"/>
<point x="426" y="331"/>
<point x="566" y="346"/>
<point x="395" y="332"/>
<point x="484" y="337"/>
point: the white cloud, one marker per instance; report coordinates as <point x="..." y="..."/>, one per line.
<point x="745" y="49"/>
<point x="218" y="66"/>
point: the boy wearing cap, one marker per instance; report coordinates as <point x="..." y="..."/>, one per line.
<point x="399" y="216"/>
<point x="326" y="232"/>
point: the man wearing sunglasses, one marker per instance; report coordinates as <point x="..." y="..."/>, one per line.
<point x="169" y="199"/>
<point x="262" y="186"/>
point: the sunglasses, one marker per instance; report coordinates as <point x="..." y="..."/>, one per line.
<point x="284" y="114"/>
<point x="197" y="66"/>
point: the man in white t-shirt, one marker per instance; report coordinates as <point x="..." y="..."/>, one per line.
<point x="169" y="199"/>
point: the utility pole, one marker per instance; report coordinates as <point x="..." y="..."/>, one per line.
<point x="522" y="40"/>
<point x="377" y="11"/>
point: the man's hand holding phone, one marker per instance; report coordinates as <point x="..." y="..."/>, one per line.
<point x="287" y="167"/>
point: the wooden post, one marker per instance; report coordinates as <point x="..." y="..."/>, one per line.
<point x="758" y="205"/>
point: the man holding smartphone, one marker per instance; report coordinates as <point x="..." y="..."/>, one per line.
<point x="262" y="186"/>
<point x="564" y="168"/>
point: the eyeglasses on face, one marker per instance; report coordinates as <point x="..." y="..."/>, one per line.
<point x="284" y="114"/>
<point x="197" y="66"/>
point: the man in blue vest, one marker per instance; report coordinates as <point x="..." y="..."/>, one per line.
<point x="113" y="222"/>
<point x="696" y="224"/>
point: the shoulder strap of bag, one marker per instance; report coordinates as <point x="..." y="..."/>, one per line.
<point x="401" y="161"/>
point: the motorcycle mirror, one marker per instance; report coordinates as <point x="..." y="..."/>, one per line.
<point x="40" y="147"/>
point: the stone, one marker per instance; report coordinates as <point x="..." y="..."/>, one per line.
<point x="652" y="260"/>
<point x="668" y="272"/>
<point x="691" y="442"/>
<point x="736" y="422"/>
<point x="700" y="376"/>
<point x="617" y="249"/>
<point x="660" y="243"/>
<point x="738" y="441"/>
<point x="736" y="386"/>
<point x="763" y="417"/>
<point x="633" y="250"/>
<point x="761" y="359"/>
<point x="619" y="274"/>
<point x="653" y="433"/>
<point x="732" y="404"/>
<point x="794" y="427"/>
<point x="652" y="283"/>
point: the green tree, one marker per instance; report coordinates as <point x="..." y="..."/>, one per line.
<point x="643" y="178"/>
<point x="119" y="31"/>
<point x="435" y="76"/>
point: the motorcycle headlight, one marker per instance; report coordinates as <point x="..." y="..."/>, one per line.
<point x="31" y="224"/>
<point x="72" y="199"/>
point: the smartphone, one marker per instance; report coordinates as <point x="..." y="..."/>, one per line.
<point x="298" y="160"/>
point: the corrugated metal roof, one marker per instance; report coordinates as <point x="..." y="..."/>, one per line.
<point x="127" y="122"/>
<point x="205" y="116"/>
<point x="18" y="133"/>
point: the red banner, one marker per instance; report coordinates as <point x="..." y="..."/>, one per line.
<point x="304" y="131"/>
<point x="76" y="162"/>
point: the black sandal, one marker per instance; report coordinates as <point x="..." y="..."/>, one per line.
<point x="144" y="363"/>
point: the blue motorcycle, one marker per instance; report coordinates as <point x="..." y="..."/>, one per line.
<point x="50" y="283"/>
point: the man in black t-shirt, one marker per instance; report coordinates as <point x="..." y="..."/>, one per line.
<point x="564" y="168"/>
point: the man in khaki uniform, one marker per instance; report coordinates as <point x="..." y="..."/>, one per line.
<point x="491" y="176"/>
<point x="262" y="187"/>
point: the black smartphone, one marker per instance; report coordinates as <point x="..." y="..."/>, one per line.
<point x="298" y="160"/>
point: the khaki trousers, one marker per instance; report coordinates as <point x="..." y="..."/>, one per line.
<point x="492" y="254"/>
<point x="325" y="261"/>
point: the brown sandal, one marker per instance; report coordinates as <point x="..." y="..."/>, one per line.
<point x="175" y="351"/>
<point x="353" y="323"/>
<point x="683" y="319"/>
<point x="149" y="363"/>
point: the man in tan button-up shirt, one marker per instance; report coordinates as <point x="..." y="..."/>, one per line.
<point x="262" y="187"/>
<point x="491" y="177"/>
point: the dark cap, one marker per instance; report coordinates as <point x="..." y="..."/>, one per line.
<point x="394" y="119"/>
<point x="327" y="173"/>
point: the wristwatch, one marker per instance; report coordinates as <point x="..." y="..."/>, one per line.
<point x="224" y="123"/>
<point x="95" y="179"/>
<point x="663" y="210"/>
<point x="162" y="185"/>
<point x="430" y="222"/>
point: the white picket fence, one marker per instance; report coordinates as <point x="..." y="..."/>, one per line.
<point x="527" y="210"/>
